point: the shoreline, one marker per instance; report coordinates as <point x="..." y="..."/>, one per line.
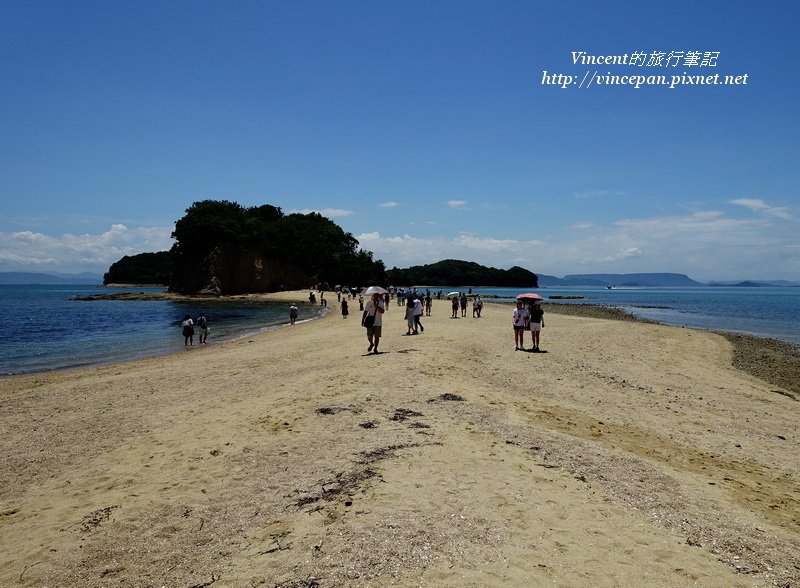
<point x="772" y="360"/>
<point x="767" y="358"/>
<point x="629" y="453"/>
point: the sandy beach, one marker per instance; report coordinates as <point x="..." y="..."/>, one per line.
<point x="628" y="454"/>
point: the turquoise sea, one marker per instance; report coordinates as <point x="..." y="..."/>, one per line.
<point x="45" y="329"/>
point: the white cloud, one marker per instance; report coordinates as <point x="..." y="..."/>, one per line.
<point x="702" y="222"/>
<point x="758" y="205"/>
<point x="629" y="252"/>
<point x="388" y="204"/>
<point x="406" y="250"/>
<point x="326" y="212"/>
<point x="706" y="245"/>
<point x="35" y="251"/>
<point x="583" y="226"/>
<point x="459" y="204"/>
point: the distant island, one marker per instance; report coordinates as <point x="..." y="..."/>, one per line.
<point x="144" y="268"/>
<point x="625" y="280"/>
<point x="453" y="272"/>
<point x="29" y="278"/>
<point x="651" y="280"/>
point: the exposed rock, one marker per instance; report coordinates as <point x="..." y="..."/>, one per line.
<point x="233" y="270"/>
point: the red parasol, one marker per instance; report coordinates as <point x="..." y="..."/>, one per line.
<point x="529" y="296"/>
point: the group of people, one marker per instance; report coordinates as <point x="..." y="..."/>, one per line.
<point x="187" y="328"/>
<point x="414" y="315"/>
<point x="527" y="317"/>
<point x="461" y="301"/>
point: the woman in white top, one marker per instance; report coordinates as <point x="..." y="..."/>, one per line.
<point x="519" y="321"/>
<point x="373" y="308"/>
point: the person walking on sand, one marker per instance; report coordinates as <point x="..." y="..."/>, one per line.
<point x="345" y="311"/>
<point x="463" y="305"/>
<point x="418" y="315"/>
<point x="455" y="307"/>
<point x="188" y="331"/>
<point x="293" y="313"/>
<point x="372" y="320"/>
<point x="519" y="318"/>
<point x="428" y="304"/>
<point x="202" y="323"/>
<point x="536" y="324"/>
<point x="410" y="320"/>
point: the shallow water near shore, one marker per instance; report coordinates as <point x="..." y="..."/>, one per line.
<point x="46" y="329"/>
<point x="772" y="312"/>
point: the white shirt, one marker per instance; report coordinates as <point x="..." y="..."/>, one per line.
<point x="369" y="308"/>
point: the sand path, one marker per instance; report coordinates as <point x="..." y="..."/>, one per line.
<point x="628" y="454"/>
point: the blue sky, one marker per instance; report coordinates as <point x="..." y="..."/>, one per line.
<point x="423" y="128"/>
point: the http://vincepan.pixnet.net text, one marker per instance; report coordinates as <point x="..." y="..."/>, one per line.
<point x="667" y="69"/>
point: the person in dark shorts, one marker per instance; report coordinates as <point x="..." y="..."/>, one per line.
<point x="188" y="330"/>
<point x="374" y="309"/>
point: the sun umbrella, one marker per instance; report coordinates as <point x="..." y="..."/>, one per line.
<point x="453" y="294"/>
<point x="374" y="290"/>
<point x="529" y="296"/>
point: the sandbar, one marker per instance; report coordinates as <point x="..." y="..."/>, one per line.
<point x="629" y="453"/>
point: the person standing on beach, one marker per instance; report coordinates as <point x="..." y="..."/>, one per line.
<point x="455" y="307"/>
<point x="202" y="323"/>
<point x="463" y="305"/>
<point x="373" y="309"/>
<point x="518" y="319"/>
<point x="293" y="312"/>
<point x="428" y="304"/>
<point x="188" y="331"/>
<point x="360" y="302"/>
<point x="536" y="324"/>
<point x="345" y="311"/>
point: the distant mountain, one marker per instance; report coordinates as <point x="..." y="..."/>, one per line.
<point x="756" y="283"/>
<point x="630" y="280"/>
<point x="54" y="278"/>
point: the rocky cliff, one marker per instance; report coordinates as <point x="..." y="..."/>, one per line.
<point x="232" y="270"/>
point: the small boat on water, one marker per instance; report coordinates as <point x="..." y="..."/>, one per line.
<point x="610" y="286"/>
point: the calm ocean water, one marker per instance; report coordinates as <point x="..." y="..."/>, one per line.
<point x="46" y="330"/>
<point x="765" y="311"/>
